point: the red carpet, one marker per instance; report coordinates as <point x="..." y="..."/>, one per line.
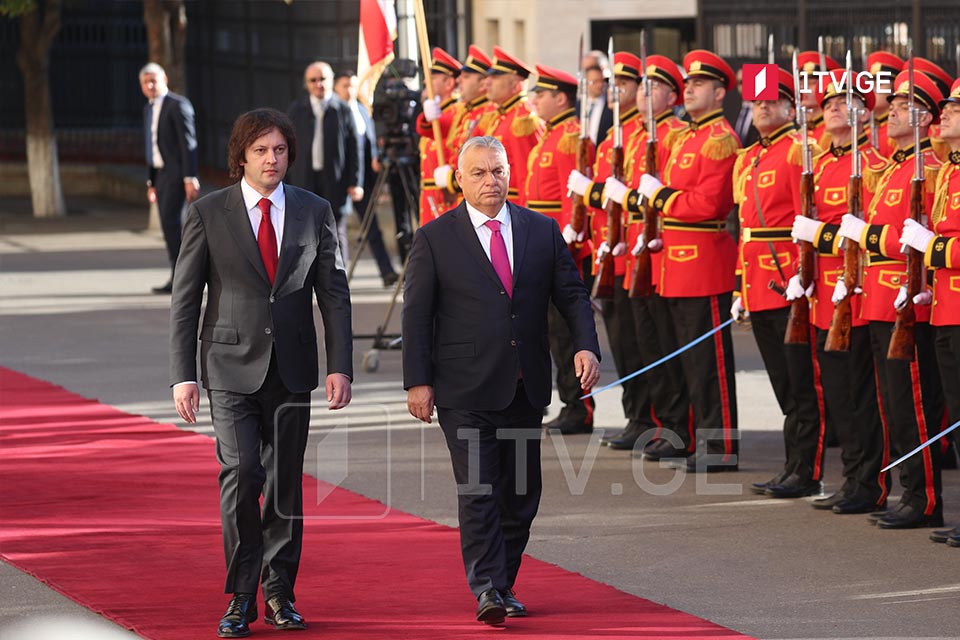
<point x="120" y="514"/>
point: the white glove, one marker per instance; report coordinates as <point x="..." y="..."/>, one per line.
<point x="916" y="235"/>
<point x="441" y="175"/>
<point x="840" y="292"/>
<point x="737" y="311"/>
<point x="901" y="300"/>
<point x="924" y="298"/>
<point x="578" y="183"/>
<point x="570" y="236"/>
<point x="655" y="245"/>
<point x="648" y="185"/>
<point x="851" y="227"/>
<point x="614" y="190"/>
<point x="795" y="290"/>
<point x="805" y="228"/>
<point x="431" y="109"/>
<point x="602" y="251"/>
<point x="638" y="247"/>
<point x="619" y="249"/>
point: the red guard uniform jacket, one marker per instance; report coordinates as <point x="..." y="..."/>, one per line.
<point x="699" y="256"/>
<point x="885" y="272"/>
<point x="519" y="130"/>
<point x="831" y="174"/>
<point x="944" y="252"/>
<point x="767" y="178"/>
<point x="429" y="193"/>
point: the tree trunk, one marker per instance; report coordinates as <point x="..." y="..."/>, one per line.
<point x="33" y="58"/>
<point x="166" y="22"/>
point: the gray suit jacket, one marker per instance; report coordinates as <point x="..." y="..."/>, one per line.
<point x="246" y="318"/>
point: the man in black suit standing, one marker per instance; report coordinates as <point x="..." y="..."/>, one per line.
<point x="477" y="287"/>
<point x="171" y="155"/>
<point x="262" y="249"/>
<point x="330" y="152"/>
<point x="345" y="86"/>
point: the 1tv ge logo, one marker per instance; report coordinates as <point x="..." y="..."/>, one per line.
<point x="760" y="82"/>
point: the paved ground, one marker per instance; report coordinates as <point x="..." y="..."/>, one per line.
<point x="76" y="309"/>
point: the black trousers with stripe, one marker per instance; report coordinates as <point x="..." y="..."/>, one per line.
<point x="948" y="360"/>
<point x="708" y="370"/>
<point x="912" y="400"/>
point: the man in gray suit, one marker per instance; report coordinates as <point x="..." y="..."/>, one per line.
<point x="262" y="249"/>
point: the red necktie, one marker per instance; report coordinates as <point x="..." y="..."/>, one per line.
<point x="267" y="240"/>
<point x="498" y="256"/>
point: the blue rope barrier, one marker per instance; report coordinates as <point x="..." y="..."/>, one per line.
<point x="923" y="446"/>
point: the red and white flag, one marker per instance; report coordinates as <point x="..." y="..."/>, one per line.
<point x="378" y="30"/>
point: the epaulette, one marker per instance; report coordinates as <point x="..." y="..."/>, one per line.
<point x="940" y="197"/>
<point x="674" y="135"/>
<point x="930" y="171"/>
<point x="795" y="154"/>
<point x="874" y="166"/>
<point x="720" y="145"/>
<point x="740" y="173"/>
<point x="941" y="148"/>
<point x="524" y="125"/>
<point x="455" y="123"/>
<point x="825" y="140"/>
<point x="487" y="119"/>
<point x="568" y="142"/>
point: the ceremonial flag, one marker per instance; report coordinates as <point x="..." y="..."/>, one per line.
<point x="378" y="30"/>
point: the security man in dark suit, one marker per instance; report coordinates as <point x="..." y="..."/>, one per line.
<point x="171" y="155"/>
<point x="478" y="284"/>
<point x="330" y="154"/>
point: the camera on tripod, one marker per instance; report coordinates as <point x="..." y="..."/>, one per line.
<point x="395" y="108"/>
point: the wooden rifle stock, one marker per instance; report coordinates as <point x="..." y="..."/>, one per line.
<point x="902" y="341"/>
<point x="641" y="285"/>
<point x="578" y="218"/>
<point x="603" y="283"/>
<point x="838" y="337"/>
<point x="798" y="322"/>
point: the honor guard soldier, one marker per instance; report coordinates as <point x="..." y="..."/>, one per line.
<point x="696" y="272"/>
<point x="890" y="65"/>
<point x="809" y="62"/>
<point x="473" y="104"/>
<point x="848" y="376"/>
<point x="652" y="330"/>
<point x="767" y="189"/>
<point x="548" y="165"/>
<point x="910" y="393"/>
<point x="941" y="251"/>
<point x="444" y="71"/>
<point x="943" y="80"/>
<point x="512" y="122"/>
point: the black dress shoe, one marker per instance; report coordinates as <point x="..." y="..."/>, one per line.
<point x="857" y="504"/>
<point x="611" y="435"/>
<point x="699" y="464"/>
<point x="910" y="517"/>
<point x="490" y="607"/>
<point x="626" y="440"/>
<point x="828" y="503"/>
<point x="281" y="614"/>
<point x="167" y="288"/>
<point x="514" y="607"/>
<point x="760" y="488"/>
<point x="794" y="486"/>
<point x="241" y="611"/>
<point x="662" y="449"/>
<point x="944" y="534"/>
<point x="571" y="426"/>
<point x="874" y="516"/>
<point x="390" y="279"/>
<point x="953" y="541"/>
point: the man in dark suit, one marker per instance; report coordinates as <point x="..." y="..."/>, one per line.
<point x="330" y="165"/>
<point x="345" y="86"/>
<point x="262" y="249"/>
<point x="478" y="284"/>
<point x="171" y="155"/>
<point x="599" y="114"/>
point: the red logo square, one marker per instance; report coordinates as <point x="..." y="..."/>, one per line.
<point x="760" y="82"/>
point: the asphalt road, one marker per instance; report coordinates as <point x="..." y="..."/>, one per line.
<point x="76" y="310"/>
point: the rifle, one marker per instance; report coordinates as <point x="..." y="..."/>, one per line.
<point x="578" y="220"/>
<point x="798" y="322"/>
<point x="838" y="337"/>
<point x="902" y="344"/>
<point x="641" y="285"/>
<point x="603" y="283"/>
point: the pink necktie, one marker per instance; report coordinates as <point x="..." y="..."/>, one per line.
<point x="267" y="240"/>
<point x="498" y="256"/>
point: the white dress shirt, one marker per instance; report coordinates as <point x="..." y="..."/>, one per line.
<point x="594" y="113"/>
<point x="316" y="148"/>
<point x="278" y="202"/>
<point x="156" y="104"/>
<point x="479" y="221"/>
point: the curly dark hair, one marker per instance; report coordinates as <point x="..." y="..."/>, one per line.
<point x="250" y="126"/>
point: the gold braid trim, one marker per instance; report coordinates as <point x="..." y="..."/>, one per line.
<point x="719" y="147"/>
<point x="568" y="143"/>
<point x="740" y="172"/>
<point x="941" y="148"/>
<point x="524" y="126"/>
<point x="930" y="177"/>
<point x="940" y="197"/>
<point x="673" y="136"/>
<point x="487" y="123"/>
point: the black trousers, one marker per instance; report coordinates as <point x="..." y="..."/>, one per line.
<point x="790" y="369"/>
<point x="850" y="396"/>
<point x="170" y="199"/>
<point x="708" y="370"/>
<point x="912" y="401"/>
<point x="261" y="439"/>
<point x="496" y="463"/>
<point x="618" y="319"/>
<point x="948" y="361"/>
<point x="656" y="338"/>
<point x="561" y="349"/>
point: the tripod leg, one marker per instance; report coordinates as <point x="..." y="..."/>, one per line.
<point x="367" y="221"/>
